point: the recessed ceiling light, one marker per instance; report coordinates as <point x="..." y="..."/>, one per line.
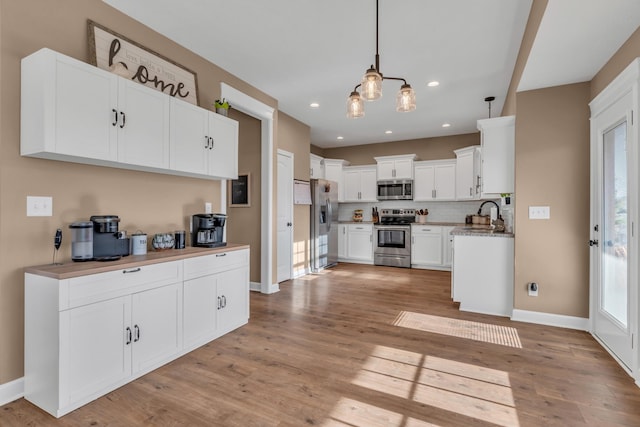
<point x="433" y="83"/>
<point x="314" y="105"/>
<point x="340" y="138"/>
<point x="388" y="131"/>
<point x="446" y="125"/>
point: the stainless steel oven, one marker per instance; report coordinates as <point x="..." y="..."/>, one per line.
<point x="392" y="245"/>
<point x="392" y="238"/>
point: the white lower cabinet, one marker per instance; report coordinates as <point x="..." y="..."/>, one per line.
<point x="426" y="246"/>
<point x="87" y="335"/>
<point x="342" y="241"/>
<point x="430" y="247"/>
<point x="215" y="303"/>
<point x="357" y="243"/>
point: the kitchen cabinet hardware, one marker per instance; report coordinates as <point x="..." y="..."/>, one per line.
<point x="221" y="255"/>
<point x="128" y="331"/>
<point x="136" y="336"/>
<point x="124" y="119"/>
<point x="115" y="117"/>
<point x="133" y="270"/>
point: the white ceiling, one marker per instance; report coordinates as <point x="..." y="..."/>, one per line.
<point x="303" y="51"/>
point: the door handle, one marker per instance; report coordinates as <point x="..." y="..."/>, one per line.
<point x="593" y="243"/>
<point x="115" y="117"/>
<point x="206" y="140"/>
<point x="124" y="119"/>
<point x="128" y="331"/>
<point x="136" y="336"/>
<point x="212" y="143"/>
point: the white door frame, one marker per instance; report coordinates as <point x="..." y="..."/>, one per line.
<point x="627" y="82"/>
<point x="290" y="155"/>
<point x="264" y="113"/>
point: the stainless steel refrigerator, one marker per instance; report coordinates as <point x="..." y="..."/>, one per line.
<point x="324" y="224"/>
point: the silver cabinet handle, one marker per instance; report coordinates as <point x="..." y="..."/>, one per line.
<point x="135" y="270"/>
<point x="136" y="335"/>
<point x="219" y="255"/>
<point x="128" y="331"/>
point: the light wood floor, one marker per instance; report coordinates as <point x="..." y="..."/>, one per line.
<point x="370" y="346"/>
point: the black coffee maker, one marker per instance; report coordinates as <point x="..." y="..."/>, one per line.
<point x="109" y="244"/>
<point x="207" y="230"/>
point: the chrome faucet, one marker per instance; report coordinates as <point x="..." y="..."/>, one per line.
<point x="489" y="201"/>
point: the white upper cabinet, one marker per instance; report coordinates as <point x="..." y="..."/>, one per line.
<point x="498" y="155"/>
<point x="468" y="169"/>
<point x="68" y="108"/>
<point x="395" y="167"/>
<point x="316" y="170"/>
<point x="73" y="111"/>
<point x="333" y="170"/>
<point x="143" y="131"/>
<point x="435" y="180"/>
<point x="360" y="184"/>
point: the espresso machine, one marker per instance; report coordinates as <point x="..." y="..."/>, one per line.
<point x="207" y="230"/>
<point x="109" y="244"/>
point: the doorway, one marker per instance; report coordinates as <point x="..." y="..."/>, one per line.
<point x="614" y="275"/>
<point x="284" y="221"/>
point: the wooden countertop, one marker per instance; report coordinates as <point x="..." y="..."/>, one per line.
<point x="71" y="269"/>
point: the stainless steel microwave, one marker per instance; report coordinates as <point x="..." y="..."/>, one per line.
<point x="395" y="189"/>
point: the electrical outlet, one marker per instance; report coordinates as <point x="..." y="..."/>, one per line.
<point x="539" y="212"/>
<point x="208" y="208"/>
<point x="39" y="206"/>
<point x="532" y="288"/>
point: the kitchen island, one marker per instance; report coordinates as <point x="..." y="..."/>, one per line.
<point x="482" y="272"/>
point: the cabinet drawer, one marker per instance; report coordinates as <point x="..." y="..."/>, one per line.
<point x="426" y="229"/>
<point x="84" y="290"/>
<point x="211" y="264"/>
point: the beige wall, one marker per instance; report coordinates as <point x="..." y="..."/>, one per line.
<point x="243" y="225"/>
<point x="146" y="201"/>
<point x="294" y="137"/>
<point x="629" y="51"/>
<point x="552" y="169"/>
<point x="425" y="149"/>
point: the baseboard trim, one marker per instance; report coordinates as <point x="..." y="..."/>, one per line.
<point x="255" y="286"/>
<point x="11" y="391"/>
<point x="549" y="319"/>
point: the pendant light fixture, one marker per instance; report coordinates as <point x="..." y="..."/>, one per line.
<point x="371" y="88"/>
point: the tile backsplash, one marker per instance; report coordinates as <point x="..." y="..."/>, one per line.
<point x="438" y="211"/>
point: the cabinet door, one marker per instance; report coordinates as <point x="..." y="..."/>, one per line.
<point x="223" y="157"/>
<point x="351" y="181"/>
<point x="465" y="177"/>
<point x="85" y="101"/>
<point x="368" y="185"/>
<point x="445" y="181"/>
<point x="189" y="139"/>
<point x="447" y="246"/>
<point x="426" y="246"/>
<point x="360" y="242"/>
<point x="143" y="128"/>
<point x="333" y="172"/>
<point x="342" y="241"/>
<point x="95" y="348"/>
<point x="315" y="167"/>
<point x="386" y="169"/>
<point x="403" y="169"/>
<point x="156" y="325"/>
<point x="200" y="306"/>
<point x="232" y="299"/>
<point x="423" y="183"/>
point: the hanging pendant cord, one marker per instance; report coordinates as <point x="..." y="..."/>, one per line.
<point x="377" y="55"/>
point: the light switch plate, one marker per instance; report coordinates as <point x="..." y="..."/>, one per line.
<point x="539" y="212"/>
<point x="39" y="206"/>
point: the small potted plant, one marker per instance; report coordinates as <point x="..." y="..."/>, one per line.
<point x="222" y="106"/>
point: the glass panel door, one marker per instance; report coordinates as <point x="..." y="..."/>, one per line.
<point x="615" y="290"/>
